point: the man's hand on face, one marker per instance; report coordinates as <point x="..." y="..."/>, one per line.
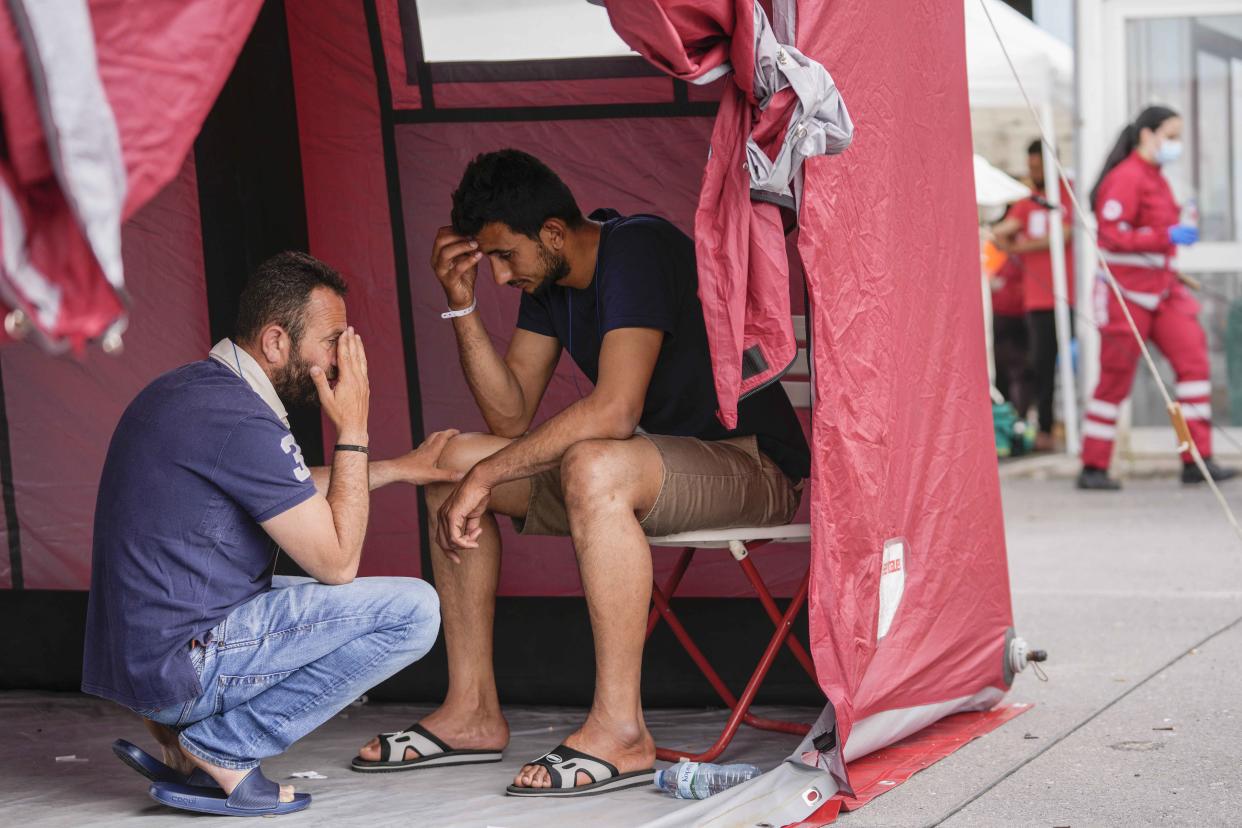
<point x="455" y="260"/>
<point x="461" y="515"/>
<point x="419" y="466"/>
<point x="348" y="404"/>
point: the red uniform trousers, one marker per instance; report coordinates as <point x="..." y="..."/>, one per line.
<point x="1168" y="317"/>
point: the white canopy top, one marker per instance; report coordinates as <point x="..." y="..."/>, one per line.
<point x="1045" y="64"/>
<point x="994" y="188"/>
<point x="471" y="30"/>
<point x="487" y="30"/>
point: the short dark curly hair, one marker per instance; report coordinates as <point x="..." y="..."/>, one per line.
<point x="514" y="188"/>
<point x="277" y="292"/>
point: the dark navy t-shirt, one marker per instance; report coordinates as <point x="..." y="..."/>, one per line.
<point x="646" y="277"/>
<point x="197" y="461"/>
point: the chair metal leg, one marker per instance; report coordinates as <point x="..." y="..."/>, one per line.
<point x="692" y="649"/>
<point x="670" y="586"/>
<point x="769" y="605"/>
<point x="709" y="673"/>
<point x="742" y="706"/>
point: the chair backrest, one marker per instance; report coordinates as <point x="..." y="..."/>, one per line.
<point x="798" y="381"/>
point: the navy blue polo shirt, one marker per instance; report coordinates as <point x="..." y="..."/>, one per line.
<point x="197" y="461"/>
<point x="646" y="277"/>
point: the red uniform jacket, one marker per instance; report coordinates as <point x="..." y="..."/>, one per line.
<point x="1038" y="293"/>
<point x="1135" y="209"/>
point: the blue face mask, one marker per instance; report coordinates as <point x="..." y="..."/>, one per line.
<point x="1169" y="152"/>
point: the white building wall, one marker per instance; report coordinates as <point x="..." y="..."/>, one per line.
<point x="1055" y="17"/>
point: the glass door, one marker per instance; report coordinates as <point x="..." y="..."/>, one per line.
<point x="1191" y="62"/>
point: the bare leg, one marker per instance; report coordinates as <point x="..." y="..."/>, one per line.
<point x="174" y="756"/>
<point x="470" y="716"/>
<point x="609" y="485"/>
<point x="183" y="762"/>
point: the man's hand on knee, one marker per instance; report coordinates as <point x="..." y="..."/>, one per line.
<point x="421" y="466"/>
<point x="461" y="515"/>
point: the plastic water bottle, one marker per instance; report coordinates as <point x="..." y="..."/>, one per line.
<point x="699" y="780"/>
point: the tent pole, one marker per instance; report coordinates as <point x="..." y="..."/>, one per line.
<point x="1060" y="284"/>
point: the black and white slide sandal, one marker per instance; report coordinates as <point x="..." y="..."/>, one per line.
<point x="433" y="752"/>
<point x="564" y="764"/>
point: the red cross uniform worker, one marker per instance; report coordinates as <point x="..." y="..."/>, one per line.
<point x="1140" y="229"/>
<point x="1027" y="232"/>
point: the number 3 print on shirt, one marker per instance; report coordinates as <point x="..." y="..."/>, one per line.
<point x="290" y="446"/>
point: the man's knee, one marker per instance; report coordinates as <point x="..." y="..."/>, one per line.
<point x="393" y="596"/>
<point x="460" y="455"/>
<point x="595" y="472"/>
<point x="415" y="606"/>
<point x="466" y="449"/>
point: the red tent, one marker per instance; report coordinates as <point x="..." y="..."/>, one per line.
<point x="100" y="104"/>
<point x="910" y="610"/>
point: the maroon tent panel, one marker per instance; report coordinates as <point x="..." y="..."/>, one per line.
<point x="595" y="121"/>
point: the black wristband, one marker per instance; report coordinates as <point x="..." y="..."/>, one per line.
<point x="347" y="447"/>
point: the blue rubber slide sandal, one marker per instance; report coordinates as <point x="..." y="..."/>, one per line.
<point x="256" y="795"/>
<point x="157" y="771"/>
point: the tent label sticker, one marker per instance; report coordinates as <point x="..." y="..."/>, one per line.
<point x="892" y="583"/>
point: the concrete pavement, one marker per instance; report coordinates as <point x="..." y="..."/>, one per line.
<point x="1137" y="596"/>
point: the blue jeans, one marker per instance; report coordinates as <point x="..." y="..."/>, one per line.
<point x="285" y="662"/>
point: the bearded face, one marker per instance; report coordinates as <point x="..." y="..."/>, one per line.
<point x="293" y="382"/>
<point x="555" y="268"/>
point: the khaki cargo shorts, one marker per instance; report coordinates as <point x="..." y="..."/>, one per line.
<point x="707" y="485"/>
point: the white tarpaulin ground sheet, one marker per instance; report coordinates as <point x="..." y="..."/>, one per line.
<point x="35" y="789"/>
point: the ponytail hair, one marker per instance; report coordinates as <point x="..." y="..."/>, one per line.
<point x="1150" y="118"/>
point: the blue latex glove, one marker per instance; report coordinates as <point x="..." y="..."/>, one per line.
<point x="1183" y="234"/>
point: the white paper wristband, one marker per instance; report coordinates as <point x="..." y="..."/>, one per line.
<point x="453" y="314"/>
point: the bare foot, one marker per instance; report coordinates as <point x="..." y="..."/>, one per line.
<point x="229" y="779"/>
<point x="628" y="747"/>
<point x="174" y="757"/>
<point x="461" y="729"/>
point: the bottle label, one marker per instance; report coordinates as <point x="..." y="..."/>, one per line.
<point x="685" y="780"/>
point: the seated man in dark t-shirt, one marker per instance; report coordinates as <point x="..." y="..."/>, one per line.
<point x="642" y="454"/>
<point x="203" y="482"/>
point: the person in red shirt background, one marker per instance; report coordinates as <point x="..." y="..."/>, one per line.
<point x="1140" y="229"/>
<point x="1025" y="232"/>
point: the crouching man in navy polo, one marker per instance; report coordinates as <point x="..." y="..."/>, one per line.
<point x="203" y="484"/>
